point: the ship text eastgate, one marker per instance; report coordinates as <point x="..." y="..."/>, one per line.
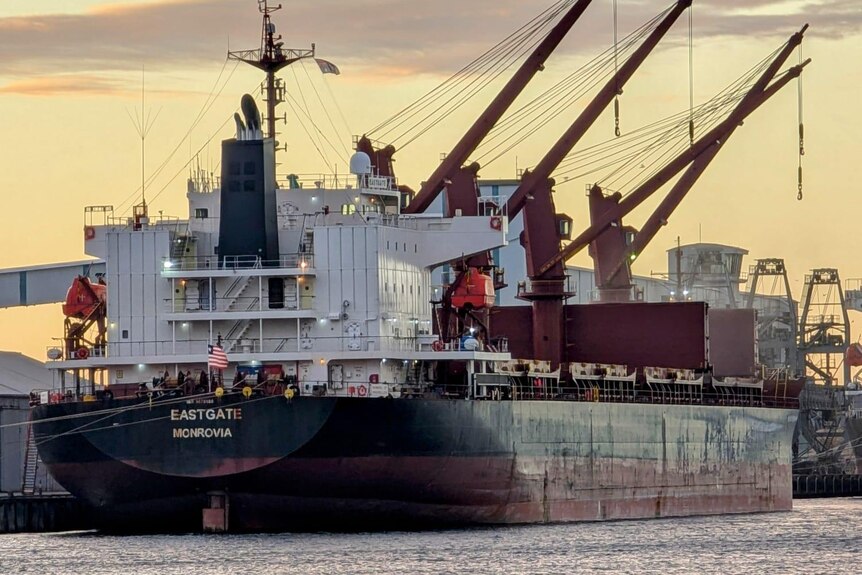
<point x="220" y="414"/>
<point x="205" y="416"/>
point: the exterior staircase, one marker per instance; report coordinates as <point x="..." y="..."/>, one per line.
<point x="179" y="250"/>
<point x="31" y="463"/>
<point x="235" y="291"/>
<point x="239" y="329"/>
<point x="291" y="294"/>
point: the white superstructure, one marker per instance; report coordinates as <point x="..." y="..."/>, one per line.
<point x="356" y="298"/>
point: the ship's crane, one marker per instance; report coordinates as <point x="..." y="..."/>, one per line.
<point x="460" y="182"/>
<point x="541" y="240"/>
<point x="449" y="170"/>
<point x="611" y="252"/>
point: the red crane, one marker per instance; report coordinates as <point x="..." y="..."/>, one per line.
<point x="544" y="258"/>
<point x="540" y="239"/>
<point x="708" y="144"/>
<point x="447" y="169"/>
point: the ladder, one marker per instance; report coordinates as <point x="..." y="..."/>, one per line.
<point x="179" y="250"/>
<point x="31" y="463"/>
<point x="291" y="295"/>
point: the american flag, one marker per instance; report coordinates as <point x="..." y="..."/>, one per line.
<point x="217" y="357"/>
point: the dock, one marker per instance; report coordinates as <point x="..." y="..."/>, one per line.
<point x="42" y="513"/>
<point x="812" y="486"/>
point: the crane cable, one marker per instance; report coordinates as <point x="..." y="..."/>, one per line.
<point x="539" y="112"/>
<point x="616" y="70"/>
<point x="475" y="75"/>
<point x="801" y="126"/>
<point x="690" y="77"/>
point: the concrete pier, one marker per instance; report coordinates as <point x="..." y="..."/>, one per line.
<point x="37" y="513"/>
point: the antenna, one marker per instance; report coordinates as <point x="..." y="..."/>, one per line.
<point x="143" y="123"/>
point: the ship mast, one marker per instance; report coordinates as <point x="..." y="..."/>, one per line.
<point x="271" y="57"/>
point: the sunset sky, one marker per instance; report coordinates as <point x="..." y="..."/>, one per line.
<point x="70" y="86"/>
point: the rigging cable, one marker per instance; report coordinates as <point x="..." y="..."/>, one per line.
<point x="491" y="74"/>
<point x="474" y="65"/>
<point x="205" y="108"/>
<point x="307" y="112"/>
<point x="738" y="87"/>
<point x="295" y="108"/>
<point x="543" y="109"/>
<point x="710" y="111"/>
<point x="690" y="76"/>
<point x="801" y="126"/>
<point x="475" y="75"/>
<point x="616" y="69"/>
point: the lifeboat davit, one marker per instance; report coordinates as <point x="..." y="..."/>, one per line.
<point x="84" y="297"/>
<point x="475" y="291"/>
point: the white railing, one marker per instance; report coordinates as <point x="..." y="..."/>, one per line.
<point x="301" y="260"/>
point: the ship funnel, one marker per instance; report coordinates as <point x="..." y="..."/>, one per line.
<point x="252" y="117"/>
<point x="240" y="127"/>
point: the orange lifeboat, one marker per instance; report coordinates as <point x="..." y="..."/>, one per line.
<point x="476" y="290"/>
<point x="84" y="297"/>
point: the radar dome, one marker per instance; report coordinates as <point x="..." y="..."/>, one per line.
<point x="360" y="164"/>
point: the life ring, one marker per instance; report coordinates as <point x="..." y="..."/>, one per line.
<point x="82" y="353"/>
<point x="89" y="232"/>
<point x="496" y="223"/>
<point x="362" y="391"/>
<point x="437" y="345"/>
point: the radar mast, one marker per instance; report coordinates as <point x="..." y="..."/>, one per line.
<point x="271" y="57"/>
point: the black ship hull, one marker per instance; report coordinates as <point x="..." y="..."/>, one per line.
<point x="355" y="464"/>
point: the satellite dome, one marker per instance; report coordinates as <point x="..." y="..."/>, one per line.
<point x="360" y="164"/>
<point x="470" y="343"/>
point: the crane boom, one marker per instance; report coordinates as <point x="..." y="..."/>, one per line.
<point x="588" y="116"/>
<point x="714" y="138"/>
<point x="662" y="213"/>
<point x="495" y="110"/>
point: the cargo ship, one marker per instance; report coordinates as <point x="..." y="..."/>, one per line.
<point x="281" y="359"/>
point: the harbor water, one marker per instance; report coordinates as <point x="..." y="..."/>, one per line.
<point x="818" y="536"/>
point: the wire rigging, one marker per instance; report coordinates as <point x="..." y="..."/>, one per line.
<point x="801" y="127"/>
<point x="651" y="146"/>
<point x="691" y="75"/>
<point x="208" y="103"/>
<point x="616" y="67"/>
<point x="539" y="112"/>
<point x="307" y="113"/>
<point x="439" y="103"/>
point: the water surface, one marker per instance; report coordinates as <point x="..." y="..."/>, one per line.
<point x="819" y="536"/>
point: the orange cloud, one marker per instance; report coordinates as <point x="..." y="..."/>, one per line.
<point x="62" y="86"/>
<point x="77" y="85"/>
